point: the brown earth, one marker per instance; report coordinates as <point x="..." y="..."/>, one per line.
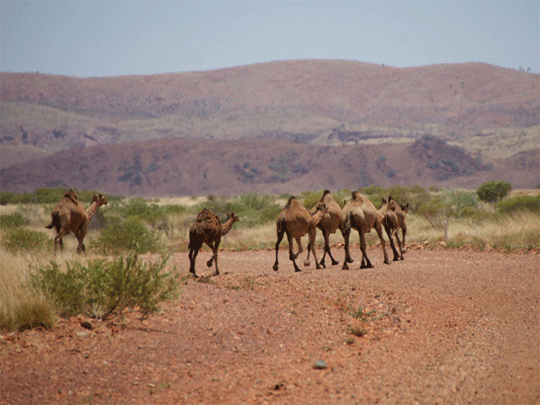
<point x="447" y="327"/>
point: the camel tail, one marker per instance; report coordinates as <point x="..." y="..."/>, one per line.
<point x="55" y="222"/>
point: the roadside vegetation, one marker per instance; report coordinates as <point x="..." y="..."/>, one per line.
<point x="36" y="286"/>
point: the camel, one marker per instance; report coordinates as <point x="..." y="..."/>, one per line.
<point x="208" y="229"/>
<point x="329" y="222"/>
<point x="69" y="215"/>
<point x="361" y="214"/>
<point x="295" y="221"/>
<point x="394" y="220"/>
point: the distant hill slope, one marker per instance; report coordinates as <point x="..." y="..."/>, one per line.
<point x="315" y="101"/>
<point x="177" y="166"/>
<point x="271" y="127"/>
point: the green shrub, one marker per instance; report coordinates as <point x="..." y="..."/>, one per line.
<point x="20" y="239"/>
<point x="47" y="196"/>
<point x="103" y="288"/>
<point x="415" y="195"/>
<point x="493" y="191"/>
<point x="252" y="209"/>
<point x="12" y="220"/>
<point x="127" y="236"/>
<point x="520" y="203"/>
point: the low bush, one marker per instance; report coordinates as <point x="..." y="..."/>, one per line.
<point x="21" y="239"/>
<point x="103" y="288"/>
<point x="493" y="191"/>
<point x="520" y="203"/>
<point x="13" y="220"/>
<point x="252" y="209"/>
<point x="47" y="196"/>
<point x="127" y="236"/>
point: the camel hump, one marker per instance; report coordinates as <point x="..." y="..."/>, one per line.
<point x="292" y="199"/>
<point x="356" y="196"/>
<point x="206" y="215"/>
<point x="70" y="194"/>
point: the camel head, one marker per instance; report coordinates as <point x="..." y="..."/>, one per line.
<point x="233" y="217"/>
<point x="390" y="202"/>
<point x="318" y="212"/>
<point x="99" y="199"/>
<point x="318" y="207"/>
<point x="405" y="207"/>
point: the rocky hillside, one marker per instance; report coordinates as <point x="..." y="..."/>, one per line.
<point x="184" y="166"/>
<point x="270" y="127"/>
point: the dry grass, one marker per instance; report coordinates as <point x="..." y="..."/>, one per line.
<point x="21" y="307"/>
<point x="509" y="232"/>
<point x="502" y="142"/>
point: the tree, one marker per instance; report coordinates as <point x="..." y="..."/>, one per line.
<point x="493" y="191"/>
<point x="445" y="205"/>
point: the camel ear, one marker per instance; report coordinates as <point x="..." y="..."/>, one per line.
<point x="383" y="200"/>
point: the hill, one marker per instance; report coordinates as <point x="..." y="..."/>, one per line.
<point x="186" y="166"/>
<point x="264" y="112"/>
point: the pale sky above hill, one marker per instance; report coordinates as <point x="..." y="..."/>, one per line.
<point x="112" y="38"/>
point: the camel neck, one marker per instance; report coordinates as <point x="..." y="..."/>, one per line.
<point x="226" y="227"/>
<point x="92" y="210"/>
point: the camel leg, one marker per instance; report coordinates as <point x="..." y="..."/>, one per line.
<point x="280" y="234"/>
<point x="311" y="248"/>
<point x="400" y="245"/>
<point x="378" y="228"/>
<point x="366" y="264"/>
<point x="326" y="236"/>
<point x="298" y="240"/>
<point x="404" y="231"/>
<point x="58" y="239"/>
<point x="389" y="233"/>
<point x="346" y="235"/>
<point x="192" y="256"/>
<point x="80" y="236"/>
<point x="327" y="247"/>
<point x="216" y="250"/>
<point x="292" y="256"/>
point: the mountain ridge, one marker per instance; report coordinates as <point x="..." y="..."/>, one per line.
<point x="313" y="103"/>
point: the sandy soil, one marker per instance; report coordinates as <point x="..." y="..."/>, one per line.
<point x="441" y="327"/>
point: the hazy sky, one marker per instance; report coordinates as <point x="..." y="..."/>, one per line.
<point x="111" y="38"/>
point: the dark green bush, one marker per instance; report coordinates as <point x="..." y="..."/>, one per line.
<point x="104" y="287"/>
<point x="253" y="209"/>
<point x="48" y="196"/>
<point x="493" y="191"/>
<point x="130" y="235"/>
<point x="12" y="220"/>
<point x="20" y="239"/>
<point x="520" y="203"/>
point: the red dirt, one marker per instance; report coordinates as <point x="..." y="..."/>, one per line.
<point x="449" y="327"/>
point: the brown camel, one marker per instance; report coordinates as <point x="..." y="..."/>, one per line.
<point x="394" y="220"/>
<point x="295" y="221"/>
<point x="69" y="215"/>
<point x="208" y="229"/>
<point x="329" y="223"/>
<point x="361" y="214"/>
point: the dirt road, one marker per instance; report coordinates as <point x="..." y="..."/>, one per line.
<point x="440" y="327"/>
